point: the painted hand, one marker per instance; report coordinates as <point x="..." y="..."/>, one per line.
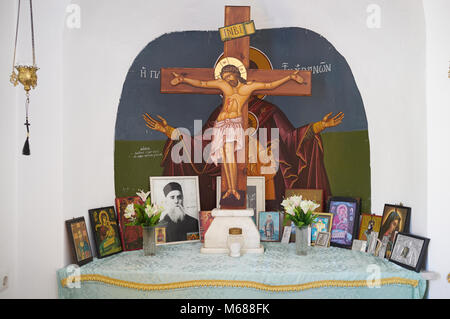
<point x="328" y="122"/>
<point x="334" y="121"/>
<point x="160" y="126"/>
<point x="296" y="77"/>
<point x="177" y="79"/>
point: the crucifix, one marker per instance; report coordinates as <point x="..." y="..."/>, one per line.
<point x="233" y="79"/>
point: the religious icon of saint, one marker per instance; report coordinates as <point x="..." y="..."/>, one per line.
<point x="83" y="249"/>
<point x="109" y="240"/>
<point x="369" y="228"/>
<point x="390" y="228"/>
<point x="342" y="218"/>
<point x="269" y="227"/>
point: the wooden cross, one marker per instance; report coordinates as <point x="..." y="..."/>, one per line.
<point x="239" y="49"/>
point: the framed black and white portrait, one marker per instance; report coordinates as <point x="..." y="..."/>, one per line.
<point x="180" y="198"/>
<point x="409" y="251"/>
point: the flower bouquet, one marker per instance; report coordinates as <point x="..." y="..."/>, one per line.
<point x="147" y="216"/>
<point x="300" y="212"/>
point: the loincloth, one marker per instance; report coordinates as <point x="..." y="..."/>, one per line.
<point x="226" y="131"/>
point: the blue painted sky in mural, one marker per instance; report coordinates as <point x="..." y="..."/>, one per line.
<point x="333" y="85"/>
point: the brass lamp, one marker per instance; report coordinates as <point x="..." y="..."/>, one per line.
<point x="26" y="74"/>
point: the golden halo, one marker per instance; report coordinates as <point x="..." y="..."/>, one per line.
<point x="103" y="212"/>
<point x="258" y="58"/>
<point x="253" y="122"/>
<point x="233" y="61"/>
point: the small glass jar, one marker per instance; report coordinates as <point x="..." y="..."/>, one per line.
<point x="235" y="241"/>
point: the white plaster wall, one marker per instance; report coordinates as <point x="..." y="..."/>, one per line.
<point x="33" y="184"/>
<point x="81" y="78"/>
<point x="438" y="107"/>
<point x="9" y="146"/>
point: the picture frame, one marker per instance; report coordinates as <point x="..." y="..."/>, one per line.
<point x="381" y="249"/>
<point x="372" y="243"/>
<point x="180" y="198"/>
<point x="270" y="226"/>
<point x="205" y="219"/>
<point x="359" y="245"/>
<point x="106" y="231"/>
<point x="315" y="195"/>
<point x="131" y="236"/>
<point x="395" y="220"/>
<point x="79" y="241"/>
<point x="286" y="234"/>
<point x="369" y="223"/>
<point x="256" y="194"/>
<point x="289" y="223"/>
<point x="409" y="251"/>
<point x="322" y="223"/>
<point x="160" y="234"/>
<point x="346" y="213"/>
<point x="323" y="239"/>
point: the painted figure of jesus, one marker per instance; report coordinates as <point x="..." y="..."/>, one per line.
<point x="228" y="135"/>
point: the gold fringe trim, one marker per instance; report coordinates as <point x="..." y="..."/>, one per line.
<point x="238" y="283"/>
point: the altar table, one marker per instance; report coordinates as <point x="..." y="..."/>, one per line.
<point x="181" y="271"/>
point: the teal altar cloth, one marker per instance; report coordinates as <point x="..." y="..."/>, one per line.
<point x="181" y="271"/>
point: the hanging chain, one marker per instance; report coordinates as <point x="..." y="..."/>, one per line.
<point x="17" y="34"/>
<point x="13" y="79"/>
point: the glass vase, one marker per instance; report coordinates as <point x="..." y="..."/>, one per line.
<point x="149" y="240"/>
<point x="301" y="240"/>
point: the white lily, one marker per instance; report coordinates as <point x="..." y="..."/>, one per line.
<point x="129" y="211"/>
<point x="285" y="203"/>
<point x="149" y="210"/>
<point x="143" y="195"/>
<point x="290" y="210"/>
<point x="308" y="205"/>
<point x="296" y="200"/>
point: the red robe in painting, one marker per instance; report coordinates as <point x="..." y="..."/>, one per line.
<point x="300" y="157"/>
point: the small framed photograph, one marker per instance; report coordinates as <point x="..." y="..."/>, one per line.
<point x="180" y="198"/>
<point x="369" y="223"/>
<point x="270" y="226"/>
<point x="106" y="231"/>
<point x="286" y="234"/>
<point x="395" y="220"/>
<point x="323" y="239"/>
<point x="372" y="243"/>
<point x="345" y="212"/>
<point x="315" y="195"/>
<point x="359" y="245"/>
<point x="409" y="251"/>
<point x="205" y="219"/>
<point x="131" y="236"/>
<point x="322" y="223"/>
<point x="381" y="248"/>
<point x="79" y="241"/>
<point x="256" y="194"/>
<point x="160" y="233"/>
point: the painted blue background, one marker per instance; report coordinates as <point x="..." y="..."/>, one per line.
<point x="331" y="91"/>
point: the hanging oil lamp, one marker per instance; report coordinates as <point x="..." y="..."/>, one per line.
<point x="26" y="74"/>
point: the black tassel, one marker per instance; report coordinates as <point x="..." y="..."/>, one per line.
<point x="26" y="148"/>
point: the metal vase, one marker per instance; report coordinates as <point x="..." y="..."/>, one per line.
<point x="301" y="240"/>
<point x="149" y="240"/>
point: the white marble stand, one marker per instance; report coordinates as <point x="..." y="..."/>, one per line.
<point x="217" y="234"/>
